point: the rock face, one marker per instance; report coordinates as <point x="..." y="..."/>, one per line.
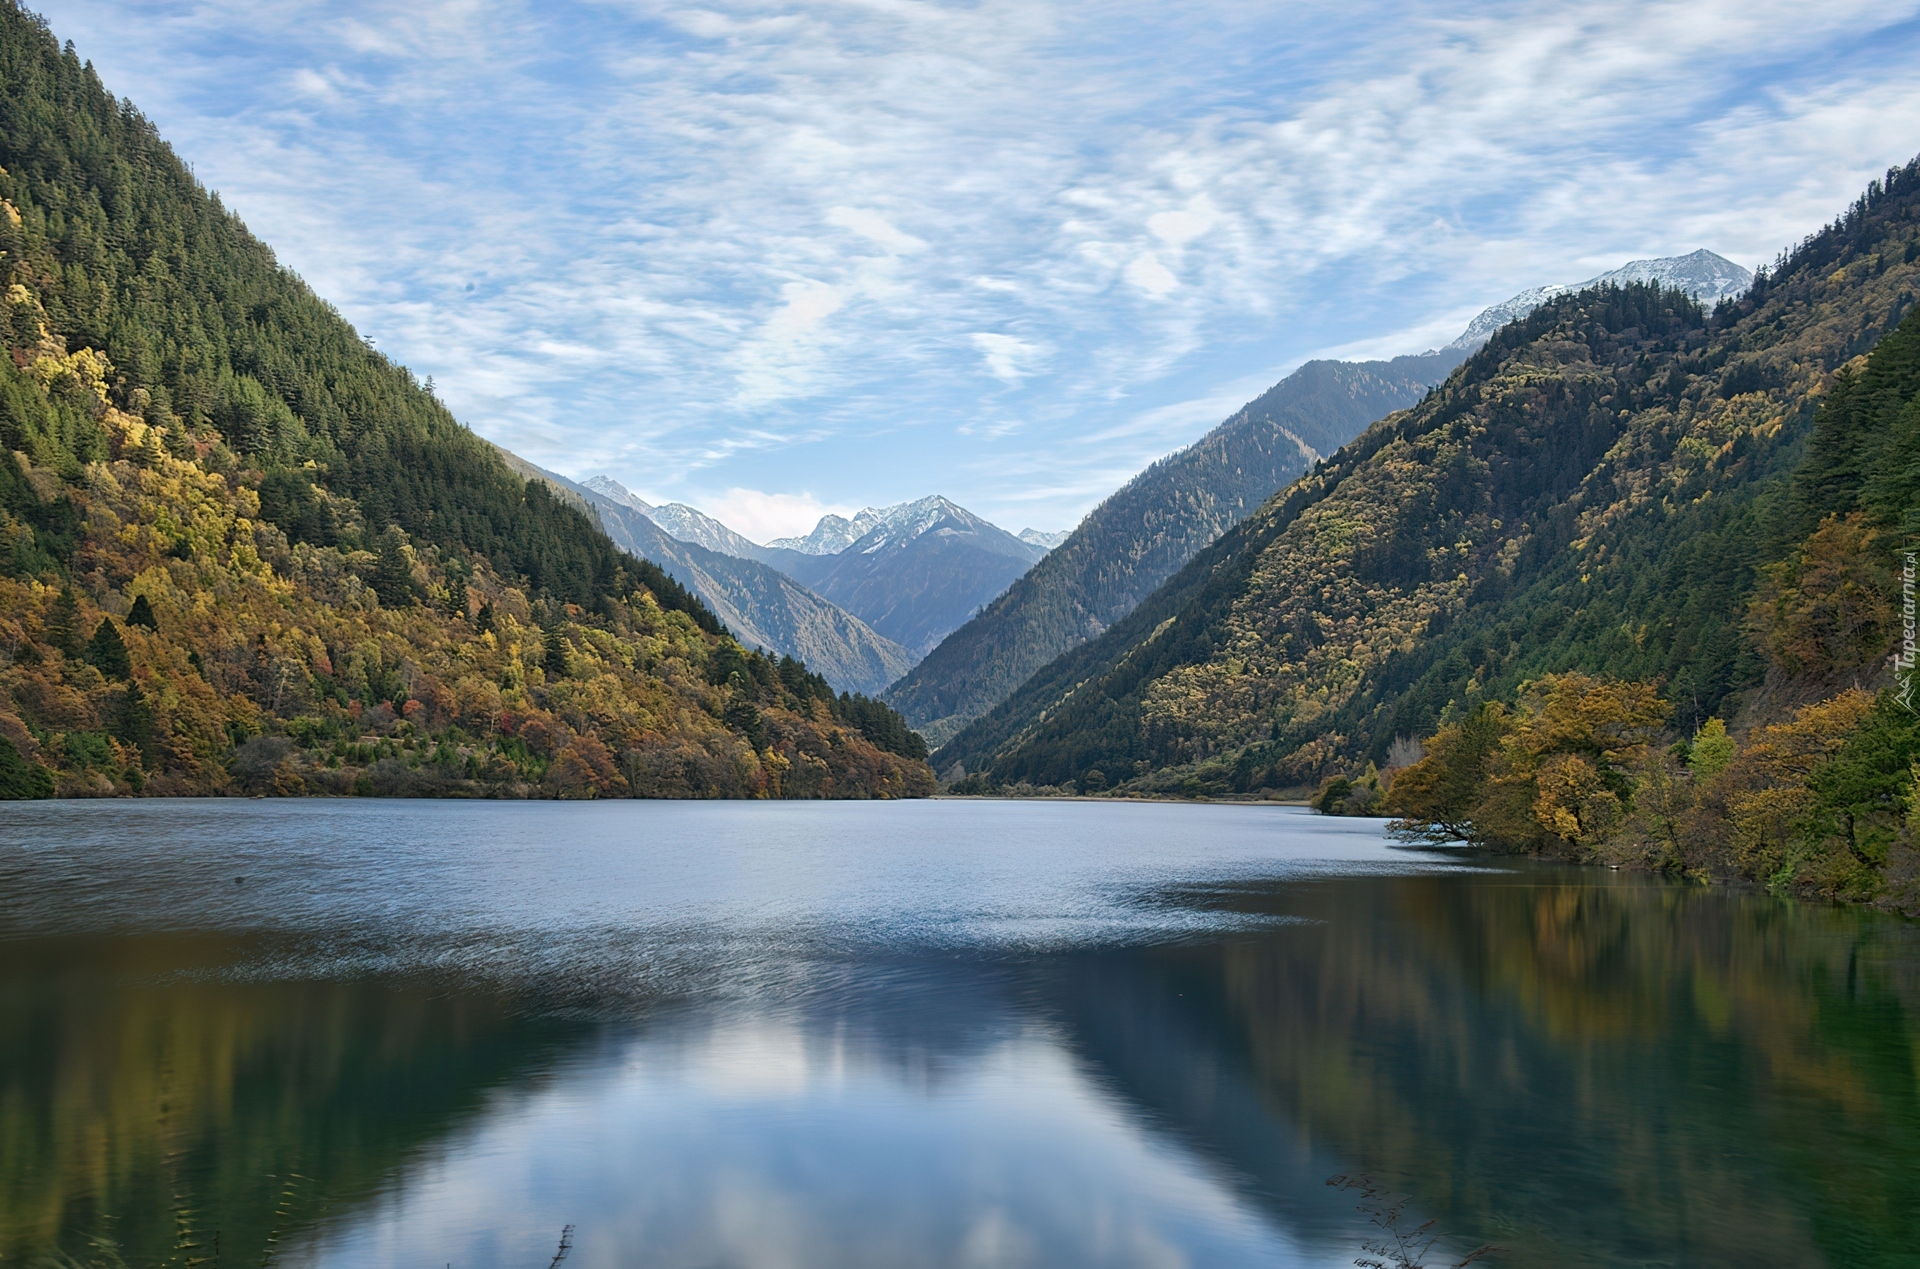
<point x="1705" y="276"/>
<point x="832" y="535"/>
<point x="1140" y="536"/>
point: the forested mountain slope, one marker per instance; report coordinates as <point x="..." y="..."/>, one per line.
<point x="1137" y="538"/>
<point x="1596" y="490"/>
<point x="761" y="606"/>
<point x="241" y="551"/>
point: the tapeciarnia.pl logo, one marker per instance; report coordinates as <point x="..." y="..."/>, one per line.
<point x="1903" y="660"/>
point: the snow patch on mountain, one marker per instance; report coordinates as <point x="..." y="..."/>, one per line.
<point x="833" y="534"/>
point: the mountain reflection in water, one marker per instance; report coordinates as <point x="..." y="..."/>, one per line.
<point x="933" y="1034"/>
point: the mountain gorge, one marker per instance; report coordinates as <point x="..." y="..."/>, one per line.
<point x="760" y="605"/>
<point x="1619" y="485"/>
<point x="242" y="552"/>
<point x="1138" y="537"/>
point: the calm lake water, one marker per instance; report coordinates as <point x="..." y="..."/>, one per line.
<point x="918" y="1034"/>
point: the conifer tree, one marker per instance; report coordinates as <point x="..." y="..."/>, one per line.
<point x="107" y="652"/>
<point x="63" y="623"/>
<point x="142" y="614"/>
<point x="392" y="576"/>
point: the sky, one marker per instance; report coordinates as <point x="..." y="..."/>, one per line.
<point x="775" y="260"/>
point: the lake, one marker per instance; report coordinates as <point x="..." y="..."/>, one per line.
<point x="946" y="1033"/>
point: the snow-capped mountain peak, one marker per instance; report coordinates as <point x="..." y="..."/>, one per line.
<point x="1707" y="277"/>
<point x="687" y="524"/>
<point x="1044" y="540"/>
<point x="901" y="522"/>
<point x="608" y="487"/>
<point x="832" y="535"/>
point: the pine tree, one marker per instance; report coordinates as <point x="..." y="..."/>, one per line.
<point x="392" y="575"/>
<point x="63" y="623"/>
<point x="743" y="716"/>
<point x="107" y="652"/>
<point x="142" y="614"/>
<point x="555" y="662"/>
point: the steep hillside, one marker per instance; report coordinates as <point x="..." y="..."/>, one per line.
<point x="241" y="551"/>
<point x="1136" y="539"/>
<point x="1592" y="491"/>
<point x="917" y="571"/>
<point x="761" y="606"/>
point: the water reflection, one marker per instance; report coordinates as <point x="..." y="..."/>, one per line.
<point x="1585" y="1068"/>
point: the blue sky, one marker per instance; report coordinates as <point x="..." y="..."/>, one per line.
<point x="776" y="259"/>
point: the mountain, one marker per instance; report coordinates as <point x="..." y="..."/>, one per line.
<point x="1620" y="489"/>
<point x="907" y="574"/>
<point x="1137" y="538"/>
<point x="1045" y="541"/>
<point x="916" y="571"/>
<point x="242" y="552"/>
<point x="1707" y="277"/>
<point x="687" y="524"/>
<point x="833" y="534"/>
<point x="761" y="606"/>
<point x="609" y="488"/>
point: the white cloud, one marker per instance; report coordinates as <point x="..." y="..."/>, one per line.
<point x="1146" y="272"/>
<point x="875" y="228"/>
<point x="1006" y="358"/>
<point x="763" y="517"/>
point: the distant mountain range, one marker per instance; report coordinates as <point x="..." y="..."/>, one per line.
<point x="860" y="600"/>
<point x="914" y="572"/>
<point x="760" y="605"/>
<point x="679" y="520"/>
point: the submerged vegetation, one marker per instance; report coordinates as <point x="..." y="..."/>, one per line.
<point x="240" y="551"/>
